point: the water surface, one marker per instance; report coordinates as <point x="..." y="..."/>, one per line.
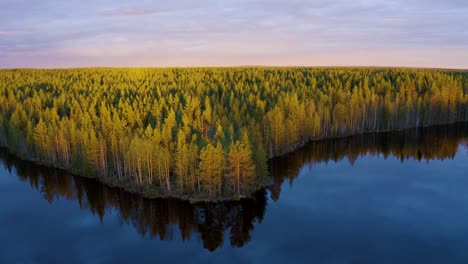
<point x="376" y="198"/>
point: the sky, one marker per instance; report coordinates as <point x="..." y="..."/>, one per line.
<point x="81" y="33"/>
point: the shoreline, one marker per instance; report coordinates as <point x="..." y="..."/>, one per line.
<point x="193" y="199"/>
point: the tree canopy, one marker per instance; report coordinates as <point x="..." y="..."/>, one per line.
<point x="208" y="132"/>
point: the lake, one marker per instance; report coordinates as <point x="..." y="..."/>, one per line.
<point x="396" y="197"/>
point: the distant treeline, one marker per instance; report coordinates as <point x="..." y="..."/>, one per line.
<point x="208" y="132"/>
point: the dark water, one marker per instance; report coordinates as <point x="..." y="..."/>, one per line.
<point x="377" y="198"/>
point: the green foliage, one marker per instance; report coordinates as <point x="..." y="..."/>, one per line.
<point x="211" y="168"/>
<point x="241" y="167"/>
<point x="208" y="132"/>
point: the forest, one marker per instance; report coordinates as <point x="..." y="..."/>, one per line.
<point x="208" y="133"/>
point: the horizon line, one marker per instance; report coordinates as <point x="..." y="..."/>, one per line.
<point x="235" y="66"/>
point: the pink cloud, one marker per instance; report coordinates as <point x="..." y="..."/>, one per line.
<point x="6" y="33"/>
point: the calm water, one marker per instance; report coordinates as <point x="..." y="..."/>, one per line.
<point x="377" y="198"/>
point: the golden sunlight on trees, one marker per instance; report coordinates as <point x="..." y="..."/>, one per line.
<point x="208" y="132"/>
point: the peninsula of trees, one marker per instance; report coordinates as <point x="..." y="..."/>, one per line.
<point x="207" y="133"/>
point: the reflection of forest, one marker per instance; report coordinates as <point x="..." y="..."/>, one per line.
<point x="209" y="221"/>
<point x="438" y="142"/>
<point x="156" y="217"/>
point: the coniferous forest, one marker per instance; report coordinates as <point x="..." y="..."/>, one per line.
<point x="208" y="133"/>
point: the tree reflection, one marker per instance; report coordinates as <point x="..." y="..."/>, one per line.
<point x="153" y="218"/>
<point x="161" y="218"/>
<point x="422" y="144"/>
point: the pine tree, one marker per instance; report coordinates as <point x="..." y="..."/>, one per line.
<point x="181" y="159"/>
<point x="41" y="139"/>
<point x="241" y="167"/>
<point x="211" y="168"/>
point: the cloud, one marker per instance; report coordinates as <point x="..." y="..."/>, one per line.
<point x="131" y="11"/>
<point x="396" y="21"/>
<point x="7" y="33"/>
